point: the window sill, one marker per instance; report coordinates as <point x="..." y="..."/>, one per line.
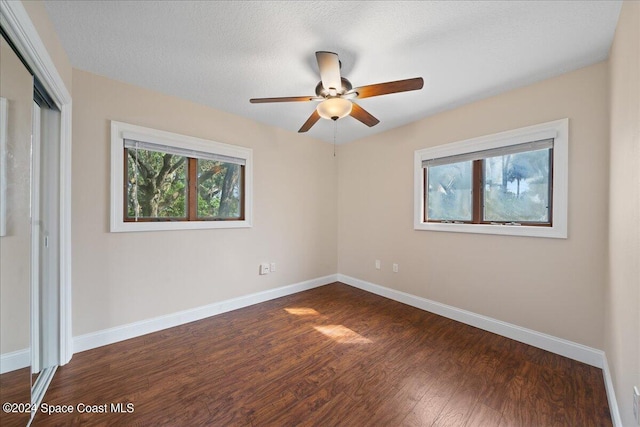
<point x="125" y="227"/>
<point x="555" y="232"/>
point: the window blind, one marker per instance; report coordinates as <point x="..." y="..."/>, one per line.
<point x="161" y="148"/>
<point x="494" y="152"/>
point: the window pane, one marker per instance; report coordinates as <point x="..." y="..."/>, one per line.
<point x="219" y="189"/>
<point x="517" y="187"/>
<point x="156" y="185"/>
<point x="449" y="192"/>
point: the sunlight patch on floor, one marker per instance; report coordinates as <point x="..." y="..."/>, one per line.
<point x="342" y="334"/>
<point x="302" y="311"/>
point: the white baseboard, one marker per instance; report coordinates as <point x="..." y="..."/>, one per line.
<point x="611" y="393"/>
<point x="572" y="350"/>
<point x="15" y="360"/>
<point x="136" y="329"/>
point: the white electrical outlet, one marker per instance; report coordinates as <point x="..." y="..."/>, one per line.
<point x="395" y="268"/>
<point x="636" y="403"/>
<point x="264" y="268"/>
<point x="273" y="267"/>
<point x="377" y="264"/>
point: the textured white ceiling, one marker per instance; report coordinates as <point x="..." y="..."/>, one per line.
<point x="223" y="53"/>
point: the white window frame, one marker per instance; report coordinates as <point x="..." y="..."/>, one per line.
<point x="118" y="132"/>
<point x="559" y="130"/>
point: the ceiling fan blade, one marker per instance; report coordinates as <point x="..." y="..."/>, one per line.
<point x="359" y="113"/>
<point x="284" y="99"/>
<point x="329" y="66"/>
<point x="313" y="118"/>
<point x="389" y="87"/>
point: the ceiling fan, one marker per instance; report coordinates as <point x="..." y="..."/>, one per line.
<point x="336" y="93"/>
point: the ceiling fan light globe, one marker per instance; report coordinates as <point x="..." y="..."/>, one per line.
<point x="334" y="108"/>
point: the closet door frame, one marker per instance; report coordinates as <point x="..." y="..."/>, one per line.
<point x="17" y="25"/>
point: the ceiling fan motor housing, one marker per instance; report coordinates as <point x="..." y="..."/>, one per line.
<point x="346" y="87"/>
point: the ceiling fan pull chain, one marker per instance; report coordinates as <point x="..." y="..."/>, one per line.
<point x="335" y="131"/>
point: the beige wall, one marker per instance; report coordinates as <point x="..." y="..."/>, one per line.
<point x="622" y="320"/>
<point x="40" y="18"/>
<point x="553" y="286"/>
<point x="119" y="278"/>
<point x="16" y="86"/>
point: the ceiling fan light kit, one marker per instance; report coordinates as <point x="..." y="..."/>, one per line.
<point x="334" y="108"/>
<point x="336" y="94"/>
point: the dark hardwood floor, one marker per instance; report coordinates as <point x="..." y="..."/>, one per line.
<point x="334" y="355"/>
<point x="15" y="387"/>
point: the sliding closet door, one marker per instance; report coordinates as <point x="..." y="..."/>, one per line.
<point x="16" y="93"/>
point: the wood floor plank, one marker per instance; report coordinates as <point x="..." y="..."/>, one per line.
<point x="482" y="416"/>
<point x="330" y="356"/>
<point x="458" y="408"/>
<point x="15" y="387"/>
<point x="442" y="385"/>
<point x="339" y="411"/>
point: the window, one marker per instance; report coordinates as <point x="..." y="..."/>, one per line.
<point x="513" y="182"/>
<point x="158" y="182"/>
<point x="166" y="181"/>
